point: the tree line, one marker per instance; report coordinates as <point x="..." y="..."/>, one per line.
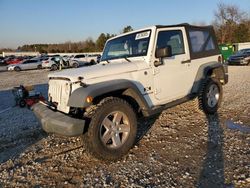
<point x="79" y="47"/>
<point x="231" y="24"/>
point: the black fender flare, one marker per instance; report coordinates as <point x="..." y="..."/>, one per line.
<point x="78" y="97"/>
<point x="208" y="69"/>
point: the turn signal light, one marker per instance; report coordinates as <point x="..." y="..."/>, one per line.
<point x="89" y="99"/>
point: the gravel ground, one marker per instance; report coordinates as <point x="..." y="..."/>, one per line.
<point x="180" y="148"/>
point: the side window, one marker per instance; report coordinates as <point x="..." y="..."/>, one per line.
<point x="79" y="56"/>
<point x="247" y="52"/>
<point x="201" y="41"/>
<point x="171" y="38"/>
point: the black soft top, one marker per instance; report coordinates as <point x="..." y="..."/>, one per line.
<point x="188" y="28"/>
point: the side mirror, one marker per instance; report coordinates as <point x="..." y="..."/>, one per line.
<point x="163" y="52"/>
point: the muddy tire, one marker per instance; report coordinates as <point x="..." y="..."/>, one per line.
<point x="112" y="129"/>
<point x="210" y="96"/>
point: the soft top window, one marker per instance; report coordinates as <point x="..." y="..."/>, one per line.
<point x="202" y="42"/>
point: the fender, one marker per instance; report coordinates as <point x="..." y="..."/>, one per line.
<point x="78" y="97"/>
<point x="207" y="69"/>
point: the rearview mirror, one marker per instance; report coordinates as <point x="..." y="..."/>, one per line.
<point x="163" y="52"/>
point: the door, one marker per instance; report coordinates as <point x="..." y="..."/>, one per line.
<point x="173" y="79"/>
<point x="30" y="64"/>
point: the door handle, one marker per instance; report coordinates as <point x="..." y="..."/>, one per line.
<point x="186" y="61"/>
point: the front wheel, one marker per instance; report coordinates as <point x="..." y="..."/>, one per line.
<point x="17" y="69"/>
<point x="112" y="129"/>
<point x="210" y="96"/>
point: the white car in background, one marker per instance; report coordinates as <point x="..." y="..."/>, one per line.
<point x="51" y="63"/>
<point x="83" y="60"/>
<point x="25" y="65"/>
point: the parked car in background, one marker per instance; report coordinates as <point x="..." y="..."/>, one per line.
<point x="242" y="57"/>
<point x="25" y="65"/>
<point x="2" y="61"/>
<point x="83" y="60"/>
<point x="15" y="60"/>
<point x="53" y="63"/>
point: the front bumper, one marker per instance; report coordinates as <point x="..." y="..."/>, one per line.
<point x="56" y="122"/>
<point x="237" y="62"/>
<point x="10" y="68"/>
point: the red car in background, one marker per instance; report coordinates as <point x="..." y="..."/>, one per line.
<point x="15" y="61"/>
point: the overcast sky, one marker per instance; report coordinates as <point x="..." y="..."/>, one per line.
<point x="55" y="21"/>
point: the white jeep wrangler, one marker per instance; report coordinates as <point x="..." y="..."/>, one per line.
<point x="141" y="73"/>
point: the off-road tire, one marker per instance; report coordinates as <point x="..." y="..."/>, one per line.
<point x="54" y="67"/>
<point x="92" y="139"/>
<point x="17" y="69"/>
<point x="203" y="98"/>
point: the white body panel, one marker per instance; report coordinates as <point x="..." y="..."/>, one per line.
<point x="159" y="85"/>
<point x="59" y="91"/>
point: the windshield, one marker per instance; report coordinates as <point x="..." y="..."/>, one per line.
<point x="132" y="45"/>
<point x="240" y="52"/>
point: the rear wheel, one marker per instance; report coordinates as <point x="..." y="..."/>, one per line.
<point x="75" y="65"/>
<point x="22" y="103"/>
<point x="54" y="67"/>
<point x="17" y="69"/>
<point x="39" y="67"/>
<point x="92" y="62"/>
<point x="112" y="129"/>
<point x="210" y="96"/>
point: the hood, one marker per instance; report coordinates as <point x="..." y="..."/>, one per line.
<point x="99" y="70"/>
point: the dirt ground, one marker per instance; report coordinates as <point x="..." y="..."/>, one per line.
<point x="180" y="148"/>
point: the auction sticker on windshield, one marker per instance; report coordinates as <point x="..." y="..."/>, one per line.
<point x="142" y="35"/>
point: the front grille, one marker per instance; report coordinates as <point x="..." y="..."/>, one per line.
<point x="59" y="92"/>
